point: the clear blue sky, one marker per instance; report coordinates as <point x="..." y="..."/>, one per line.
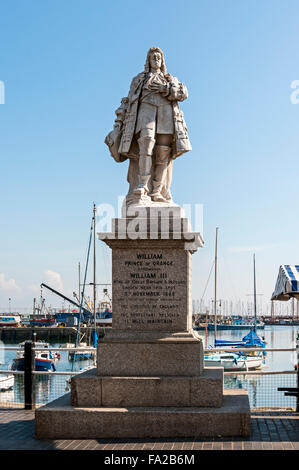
<point x="66" y="65"/>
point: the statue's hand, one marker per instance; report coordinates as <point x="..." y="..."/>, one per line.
<point x="158" y="88"/>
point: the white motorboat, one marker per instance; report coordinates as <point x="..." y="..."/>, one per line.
<point x="232" y="361"/>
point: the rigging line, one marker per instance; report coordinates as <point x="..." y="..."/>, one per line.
<point x="84" y="283"/>
<point x="207" y="281"/>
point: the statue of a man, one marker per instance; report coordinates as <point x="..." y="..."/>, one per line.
<point x="150" y="130"/>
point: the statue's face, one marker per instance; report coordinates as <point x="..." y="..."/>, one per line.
<point x="155" y="60"/>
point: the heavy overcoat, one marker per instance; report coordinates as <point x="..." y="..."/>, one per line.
<point x="177" y="92"/>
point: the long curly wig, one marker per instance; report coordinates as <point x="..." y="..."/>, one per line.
<point x="147" y="65"/>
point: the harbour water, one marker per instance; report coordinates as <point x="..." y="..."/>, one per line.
<point x="262" y="389"/>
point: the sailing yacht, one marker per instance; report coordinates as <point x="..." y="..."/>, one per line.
<point x="235" y="360"/>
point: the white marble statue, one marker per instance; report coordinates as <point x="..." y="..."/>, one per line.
<point x="150" y="130"/>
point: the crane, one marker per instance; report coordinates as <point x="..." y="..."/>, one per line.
<point x="85" y="311"/>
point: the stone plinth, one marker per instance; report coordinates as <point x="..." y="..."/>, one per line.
<point x="169" y="356"/>
<point x="89" y="389"/>
<point x="150" y="379"/>
<point x="59" y="420"/>
<point x="151" y="287"/>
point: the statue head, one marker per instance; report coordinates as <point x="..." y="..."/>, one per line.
<point x="152" y="57"/>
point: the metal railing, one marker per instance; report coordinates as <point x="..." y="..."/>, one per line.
<point x="263" y="386"/>
<point x="30" y="389"/>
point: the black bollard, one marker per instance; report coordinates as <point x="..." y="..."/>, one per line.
<point x="29" y="378"/>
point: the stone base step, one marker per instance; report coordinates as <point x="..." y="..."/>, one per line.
<point x="146" y="357"/>
<point x="59" y="420"/>
<point x="89" y="389"/>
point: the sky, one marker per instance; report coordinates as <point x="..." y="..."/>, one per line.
<point x="65" y="65"/>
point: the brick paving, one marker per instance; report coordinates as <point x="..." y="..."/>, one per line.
<point x="269" y="431"/>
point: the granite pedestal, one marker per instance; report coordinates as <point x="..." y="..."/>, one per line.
<point x="150" y="379"/>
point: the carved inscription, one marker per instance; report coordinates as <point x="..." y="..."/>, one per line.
<point x="150" y="289"/>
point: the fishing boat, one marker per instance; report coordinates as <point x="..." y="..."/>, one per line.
<point x="44" y="360"/>
<point x="49" y="322"/>
<point x="6" y="382"/>
<point x="104" y="315"/>
<point x="25" y="321"/>
<point x="104" y="320"/>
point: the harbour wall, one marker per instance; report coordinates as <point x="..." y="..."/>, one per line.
<point x="48" y="334"/>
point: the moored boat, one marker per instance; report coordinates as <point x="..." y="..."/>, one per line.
<point x="104" y="319"/>
<point x="232" y="361"/>
<point x="240" y="360"/>
<point x="44" y="360"/>
<point x="10" y="320"/>
<point x="251" y="340"/>
<point x="104" y="315"/>
<point x="82" y="352"/>
<point x="43" y="322"/>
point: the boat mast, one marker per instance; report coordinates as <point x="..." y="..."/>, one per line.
<point x="79" y="279"/>
<point x="83" y="289"/>
<point x="254" y="287"/>
<point x="215" y="295"/>
<point x="94" y="265"/>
